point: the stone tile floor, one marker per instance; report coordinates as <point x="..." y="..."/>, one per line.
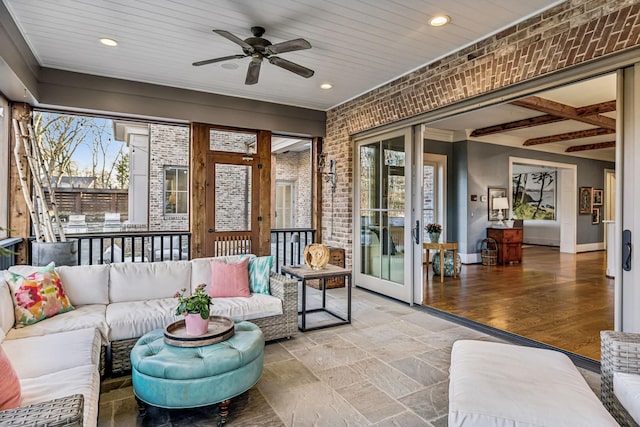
<point x="388" y="368"/>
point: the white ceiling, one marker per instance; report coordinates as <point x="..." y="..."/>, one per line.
<point x="357" y="44"/>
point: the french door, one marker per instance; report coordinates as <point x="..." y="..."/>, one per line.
<point x="383" y="246"/>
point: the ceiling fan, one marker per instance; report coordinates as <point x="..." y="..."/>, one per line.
<point x="258" y="49"/>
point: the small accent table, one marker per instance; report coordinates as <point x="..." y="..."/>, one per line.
<point x="445" y="246"/>
<point x="305" y="273"/>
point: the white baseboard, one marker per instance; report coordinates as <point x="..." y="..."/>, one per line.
<point x="542" y="242"/>
<point x="470" y="258"/>
<point x="588" y="247"/>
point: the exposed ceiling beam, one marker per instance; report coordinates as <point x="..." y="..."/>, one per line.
<point x="566" y="111"/>
<point x="596" y="146"/>
<point x="518" y="124"/>
<point x="568" y="136"/>
<point x="601" y="107"/>
<point x="588" y="110"/>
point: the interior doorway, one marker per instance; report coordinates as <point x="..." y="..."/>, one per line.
<point x="570" y="129"/>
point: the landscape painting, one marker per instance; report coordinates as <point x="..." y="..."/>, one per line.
<point x="534" y="192"/>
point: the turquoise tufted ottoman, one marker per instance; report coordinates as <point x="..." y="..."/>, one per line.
<point x="179" y="377"/>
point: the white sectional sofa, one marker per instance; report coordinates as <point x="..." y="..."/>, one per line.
<point x="115" y="304"/>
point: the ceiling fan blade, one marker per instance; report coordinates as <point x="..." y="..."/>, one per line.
<point x="253" y="72"/>
<point x="211" y="61"/>
<point x="291" y="66"/>
<point x="289" y="46"/>
<point x="236" y="40"/>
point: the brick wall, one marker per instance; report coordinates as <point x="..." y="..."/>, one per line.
<point x="574" y="32"/>
<point x="295" y="166"/>
<point x="168" y="146"/>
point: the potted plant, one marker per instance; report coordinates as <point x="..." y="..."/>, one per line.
<point x="195" y="309"/>
<point x="50" y="242"/>
<point x="434" y="231"/>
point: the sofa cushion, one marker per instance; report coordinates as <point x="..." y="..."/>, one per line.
<point x="626" y="387"/>
<point x="7" y="314"/>
<point x="133" y="319"/>
<point x="139" y="281"/>
<point x="495" y="384"/>
<point x="62" y="350"/>
<point x="84" y="284"/>
<point x="229" y="280"/>
<point x="10" y="393"/>
<point x="259" y="270"/>
<point x="38" y="296"/>
<point x="259" y="305"/>
<point x="85" y="316"/>
<point x="201" y="268"/>
<point x="84" y="380"/>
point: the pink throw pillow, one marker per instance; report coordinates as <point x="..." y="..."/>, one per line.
<point x="229" y="280"/>
<point x="10" y="393"/>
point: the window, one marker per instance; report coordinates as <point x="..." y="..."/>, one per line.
<point x="176" y="190"/>
<point x="285" y="203"/>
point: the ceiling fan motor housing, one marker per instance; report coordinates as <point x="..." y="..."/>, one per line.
<point x="258" y="43"/>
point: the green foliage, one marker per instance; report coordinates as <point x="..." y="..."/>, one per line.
<point x="433" y="228"/>
<point x="198" y="303"/>
<point x="122" y="171"/>
<point x="526" y="211"/>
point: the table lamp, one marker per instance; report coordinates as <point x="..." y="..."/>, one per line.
<point x="500" y="203"/>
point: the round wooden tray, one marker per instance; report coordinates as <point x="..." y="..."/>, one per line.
<point x="220" y="329"/>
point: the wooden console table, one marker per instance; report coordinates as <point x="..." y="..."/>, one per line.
<point x="445" y="246"/>
<point x="304" y="274"/>
<point x="509" y="242"/>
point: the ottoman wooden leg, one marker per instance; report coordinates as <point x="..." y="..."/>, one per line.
<point x="223" y="411"/>
<point x="142" y="407"/>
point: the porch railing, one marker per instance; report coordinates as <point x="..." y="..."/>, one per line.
<point x="287" y="251"/>
<point x="105" y="248"/>
<point x="102" y="248"/>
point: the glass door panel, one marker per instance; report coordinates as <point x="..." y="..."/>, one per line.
<point x="382" y="205"/>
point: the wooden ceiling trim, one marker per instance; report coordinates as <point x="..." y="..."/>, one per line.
<point x="562" y="110"/>
<point x="595" y="146"/>
<point x="518" y="124"/>
<point x="599" y="108"/>
<point x="568" y="136"/>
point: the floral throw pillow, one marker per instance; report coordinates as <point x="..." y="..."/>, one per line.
<point x="38" y="296"/>
<point x="259" y="270"/>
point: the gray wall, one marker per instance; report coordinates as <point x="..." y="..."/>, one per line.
<point x="473" y="167"/>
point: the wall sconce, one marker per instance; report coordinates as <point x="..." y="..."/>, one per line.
<point x="330" y="176"/>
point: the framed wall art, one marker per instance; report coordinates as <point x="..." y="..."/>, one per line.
<point x="493" y="193"/>
<point x="584" y="200"/>
<point x="534" y="192"/>
<point x="595" y="216"/>
<point x="597" y="197"/>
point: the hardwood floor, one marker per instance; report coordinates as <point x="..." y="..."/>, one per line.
<point x="563" y="300"/>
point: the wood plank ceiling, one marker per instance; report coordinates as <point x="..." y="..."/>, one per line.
<point x="356" y="45"/>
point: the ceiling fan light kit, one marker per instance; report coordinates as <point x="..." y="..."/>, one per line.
<point x="258" y="49"/>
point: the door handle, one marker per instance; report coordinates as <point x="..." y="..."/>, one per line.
<point x="415" y="233"/>
<point x="627" y="248"/>
<point x="210" y="230"/>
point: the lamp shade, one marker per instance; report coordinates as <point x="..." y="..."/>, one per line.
<point x="500" y="203"/>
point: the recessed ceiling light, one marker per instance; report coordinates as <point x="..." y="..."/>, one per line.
<point x="229" y="66"/>
<point x="108" y="42"/>
<point x="326" y="86"/>
<point x="439" y="20"/>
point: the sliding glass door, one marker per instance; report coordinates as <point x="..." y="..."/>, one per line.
<point x="382" y="260"/>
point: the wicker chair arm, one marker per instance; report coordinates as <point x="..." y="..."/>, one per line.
<point x="283" y="287"/>
<point x="619" y="352"/>
<point x="64" y="411"/>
